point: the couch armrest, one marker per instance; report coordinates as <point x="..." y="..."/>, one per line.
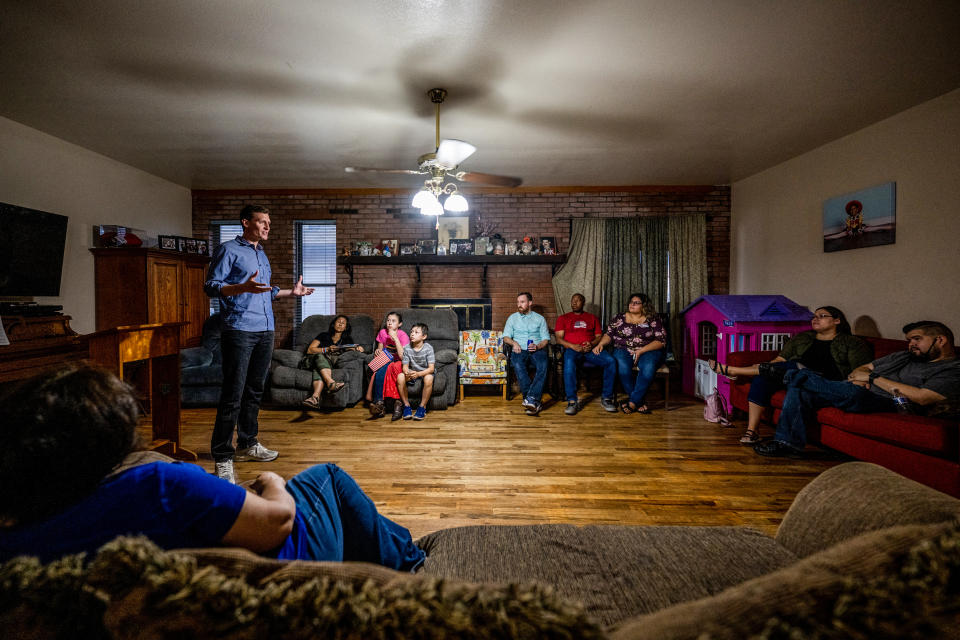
<point x="351" y="356"/>
<point x="854" y="498"/>
<point x="195" y="357"/>
<point x="287" y="357"/>
<point x="747" y="358"/>
<point x="445" y="356"/>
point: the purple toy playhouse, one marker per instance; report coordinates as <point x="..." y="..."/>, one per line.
<point x="714" y="326"/>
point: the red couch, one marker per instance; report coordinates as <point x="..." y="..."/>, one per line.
<point x="924" y="449"/>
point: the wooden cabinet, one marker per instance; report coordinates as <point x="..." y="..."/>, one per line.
<point x="148" y="286"/>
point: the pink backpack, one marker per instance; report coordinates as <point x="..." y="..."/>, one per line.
<point x="716" y="410"/>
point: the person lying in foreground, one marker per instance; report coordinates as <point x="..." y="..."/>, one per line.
<point x="66" y="434"/>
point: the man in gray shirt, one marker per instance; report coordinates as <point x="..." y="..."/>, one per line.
<point x="418" y="363"/>
<point x="927" y="374"/>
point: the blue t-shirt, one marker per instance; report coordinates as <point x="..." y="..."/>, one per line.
<point x="177" y="505"/>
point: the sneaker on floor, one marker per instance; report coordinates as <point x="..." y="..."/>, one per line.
<point x="407" y="413"/>
<point x="608" y="405"/>
<point x="256" y="453"/>
<point x="535" y="409"/>
<point x="397" y="411"/>
<point x="420" y="414"/>
<point x="528" y="403"/>
<point x="572" y="408"/>
<point x="224" y="471"/>
<point x="777" y="449"/>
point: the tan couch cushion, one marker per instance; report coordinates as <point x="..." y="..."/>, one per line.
<point x="854" y="498"/>
<point x="870" y="574"/>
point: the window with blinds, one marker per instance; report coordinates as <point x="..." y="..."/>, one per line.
<point x="316" y="247"/>
<point x="220" y="232"/>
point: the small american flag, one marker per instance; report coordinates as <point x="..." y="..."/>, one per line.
<point x="379" y="360"/>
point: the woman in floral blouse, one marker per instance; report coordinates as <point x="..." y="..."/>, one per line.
<point x="638" y="339"/>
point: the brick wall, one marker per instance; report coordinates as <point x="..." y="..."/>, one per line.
<point x="379" y="214"/>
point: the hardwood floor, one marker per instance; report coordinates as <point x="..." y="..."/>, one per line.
<point x="485" y="462"/>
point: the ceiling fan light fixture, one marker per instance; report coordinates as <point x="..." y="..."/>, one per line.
<point x="456" y="203"/>
<point x="432" y="207"/>
<point x="423" y="198"/>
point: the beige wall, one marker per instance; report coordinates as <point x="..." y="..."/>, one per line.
<point x="776" y="226"/>
<point x="46" y="173"/>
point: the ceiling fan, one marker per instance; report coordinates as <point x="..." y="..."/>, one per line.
<point x="442" y="164"/>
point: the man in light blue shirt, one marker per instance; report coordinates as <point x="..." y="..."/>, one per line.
<point x="527" y="334"/>
<point x="240" y="276"/>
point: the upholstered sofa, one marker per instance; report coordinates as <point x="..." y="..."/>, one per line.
<point x="444" y="336"/>
<point x="289" y="385"/>
<point x="862" y="552"/>
<point x="926" y="449"/>
<point x="201" y="368"/>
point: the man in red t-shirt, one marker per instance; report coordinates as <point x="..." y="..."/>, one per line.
<point x="580" y="332"/>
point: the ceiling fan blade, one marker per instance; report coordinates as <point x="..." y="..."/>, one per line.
<point x="372" y="170"/>
<point x="451" y="152"/>
<point x="489" y="178"/>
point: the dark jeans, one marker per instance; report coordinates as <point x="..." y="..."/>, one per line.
<point x="808" y="391"/>
<point x="246" y="361"/>
<point x="531" y="389"/>
<point x="343" y="524"/>
<point x="762" y="388"/>
<point x="647" y="365"/>
<point x="572" y="358"/>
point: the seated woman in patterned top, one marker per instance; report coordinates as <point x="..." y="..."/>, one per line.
<point x="640" y="340"/>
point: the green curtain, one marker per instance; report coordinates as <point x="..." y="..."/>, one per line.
<point x="623" y="275"/>
<point x="610" y="258"/>
<point x="688" y="266"/>
<point x="584" y="270"/>
<point x="654" y="245"/>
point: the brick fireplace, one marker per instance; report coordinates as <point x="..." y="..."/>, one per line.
<point x="472" y="313"/>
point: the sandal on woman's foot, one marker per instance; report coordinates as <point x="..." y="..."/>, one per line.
<point x="336" y="386"/>
<point x="645" y="410"/>
<point x="311" y="403"/>
<point x="720" y="369"/>
<point x="750" y="437"/>
<point x="628" y="407"/>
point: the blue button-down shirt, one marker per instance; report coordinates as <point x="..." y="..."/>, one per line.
<point x="520" y="328"/>
<point x="233" y="263"/>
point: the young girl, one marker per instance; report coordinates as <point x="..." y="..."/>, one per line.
<point x="391" y="339"/>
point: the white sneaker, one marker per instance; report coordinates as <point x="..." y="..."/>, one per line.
<point x="224" y="471"/>
<point x="257" y="452"/>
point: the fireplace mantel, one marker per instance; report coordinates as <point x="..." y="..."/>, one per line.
<point x="418" y="260"/>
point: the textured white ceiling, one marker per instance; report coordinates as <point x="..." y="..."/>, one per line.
<point x="247" y="93"/>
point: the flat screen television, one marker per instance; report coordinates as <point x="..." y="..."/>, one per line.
<point x="31" y="259"/>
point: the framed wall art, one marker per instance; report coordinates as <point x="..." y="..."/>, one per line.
<point x="864" y="218"/>
<point x="461" y="247"/>
<point x="452" y="227"/>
